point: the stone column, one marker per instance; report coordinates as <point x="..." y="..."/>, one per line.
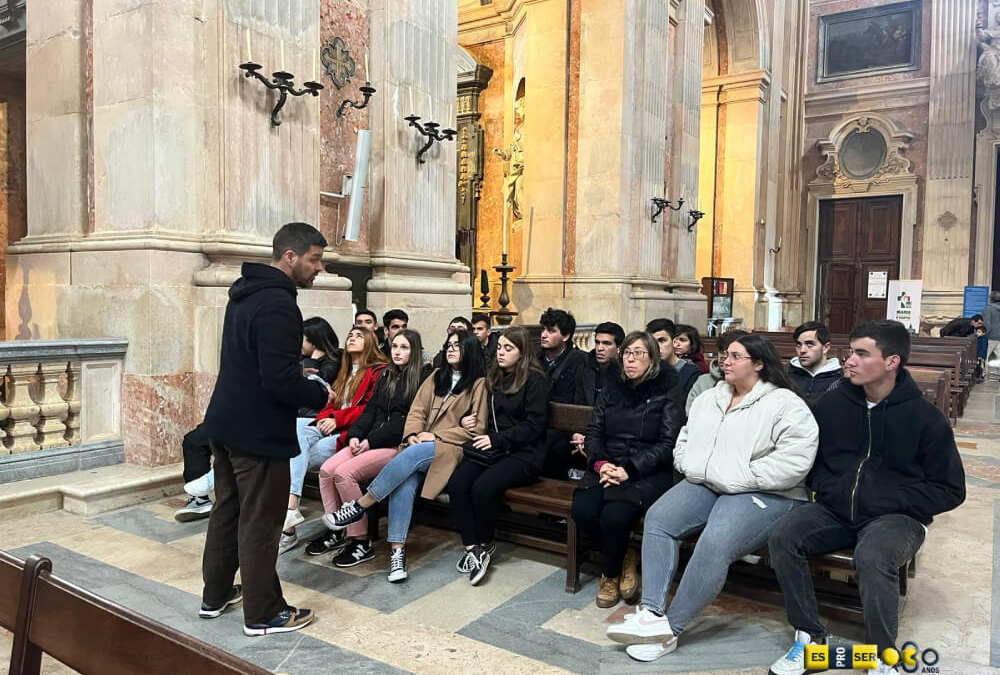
<point x="412" y="205"/>
<point x="951" y="128"/>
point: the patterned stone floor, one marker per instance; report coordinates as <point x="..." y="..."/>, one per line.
<point x="520" y="620"/>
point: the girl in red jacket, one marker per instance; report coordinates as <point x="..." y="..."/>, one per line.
<point x="360" y="367"/>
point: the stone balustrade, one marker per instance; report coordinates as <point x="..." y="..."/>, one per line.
<point x="60" y="406"/>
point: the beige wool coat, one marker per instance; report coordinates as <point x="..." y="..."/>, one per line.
<point x="443" y="418"/>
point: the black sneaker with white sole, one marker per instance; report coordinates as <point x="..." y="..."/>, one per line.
<point x="464" y="565"/>
<point x="397" y="565"/>
<point x="357" y="552"/>
<point x="235" y="596"/>
<point x="480" y="562"/>
<point x="348" y="513"/>
<point x="326" y="542"/>
<point x="290" y="619"/>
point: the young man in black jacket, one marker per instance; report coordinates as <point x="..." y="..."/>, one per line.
<point x="887" y="464"/>
<point x="812" y="370"/>
<point x="251" y="423"/>
<point x="560" y="359"/>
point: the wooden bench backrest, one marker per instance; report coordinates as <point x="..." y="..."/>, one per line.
<point x="10" y="584"/>
<point x="93" y="635"/>
<point x="567" y="417"/>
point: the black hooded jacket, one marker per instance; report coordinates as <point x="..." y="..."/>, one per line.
<point x="260" y="384"/>
<point x="591" y="379"/>
<point x="562" y="373"/>
<point x="896" y="458"/>
<point x="516" y="422"/>
<point x="636" y="427"/>
<point x="384" y="417"/>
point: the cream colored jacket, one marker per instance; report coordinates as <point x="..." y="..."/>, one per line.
<point x="766" y="443"/>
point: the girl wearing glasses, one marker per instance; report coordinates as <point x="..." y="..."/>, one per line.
<point x="432" y="445"/>
<point x="629" y="445"/>
<point x="509" y="454"/>
<point x="744" y="453"/>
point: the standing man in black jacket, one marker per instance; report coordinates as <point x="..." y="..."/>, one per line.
<point x="887" y="464"/>
<point x="251" y="423"/>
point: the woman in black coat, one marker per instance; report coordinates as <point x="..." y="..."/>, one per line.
<point x="629" y="445"/>
<point x="510" y="454"/>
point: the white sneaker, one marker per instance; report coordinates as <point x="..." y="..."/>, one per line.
<point x="882" y="669"/>
<point x="652" y="652"/>
<point x="643" y="626"/>
<point x="293" y="517"/>
<point x="397" y="565"/>
<point x="287" y="542"/>
<point x="200" y="487"/>
<point x="794" y="660"/>
<point x="195" y="509"/>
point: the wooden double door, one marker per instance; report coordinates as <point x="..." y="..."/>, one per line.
<point x="858" y="254"/>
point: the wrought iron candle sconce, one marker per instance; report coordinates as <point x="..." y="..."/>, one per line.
<point x="695" y="215"/>
<point x="662" y="204"/>
<point x="430" y="131"/>
<point x="283" y="83"/>
<point x="367" y="90"/>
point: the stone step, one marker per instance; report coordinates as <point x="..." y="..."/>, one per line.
<point x="91" y="491"/>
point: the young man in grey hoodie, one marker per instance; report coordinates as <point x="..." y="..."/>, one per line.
<point x="812" y="371"/>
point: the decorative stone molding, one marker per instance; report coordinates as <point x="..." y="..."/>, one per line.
<point x="893" y="164"/>
<point x="471" y="159"/>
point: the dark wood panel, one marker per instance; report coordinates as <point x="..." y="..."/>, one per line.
<point x="844" y="237"/>
<point x="880" y="220"/>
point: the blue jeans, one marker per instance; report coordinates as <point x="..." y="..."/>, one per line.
<point x="398" y="481"/>
<point x="314" y="449"/>
<point x="732" y="526"/>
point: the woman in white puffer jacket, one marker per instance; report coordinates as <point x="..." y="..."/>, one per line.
<point x="745" y="452"/>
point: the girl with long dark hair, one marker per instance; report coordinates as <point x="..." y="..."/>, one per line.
<point x="433" y="437"/>
<point x="687" y="345"/>
<point x="745" y="452"/>
<point x="509" y="454"/>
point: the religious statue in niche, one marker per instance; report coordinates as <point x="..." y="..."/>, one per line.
<point x="988" y="48"/>
<point x="514" y="156"/>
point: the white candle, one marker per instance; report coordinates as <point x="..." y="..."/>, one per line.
<point x="451" y="110"/>
<point x="282" y="54"/>
<point x="249" y="58"/>
<point x="504" y="250"/>
<point x="413" y="110"/>
<point x="367" y="72"/>
<point x="314" y="64"/>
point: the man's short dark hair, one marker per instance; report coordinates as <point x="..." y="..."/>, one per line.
<point x="297" y="238"/>
<point x="976" y="317"/>
<point x="612" y="329"/>
<point x="481" y="317"/>
<point x="822" y="331"/>
<point x="558" y="318"/>
<point x="462" y="320"/>
<point x="368" y="312"/>
<point x="394" y="314"/>
<point x="891" y="338"/>
<point x="656" y="325"/>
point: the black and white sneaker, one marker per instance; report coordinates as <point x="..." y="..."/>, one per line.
<point x="348" y="513"/>
<point x="195" y="509"/>
<point x="480" y="562"/>
<point x="358" y="552"/>
<point x="397" y="565"/>
<point x="290" y="619"/>
<point x="464" y="565"/>
<point x="235" y="596"/>
<point x="326" y="542"/>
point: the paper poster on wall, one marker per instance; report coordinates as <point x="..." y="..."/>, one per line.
<point x="878" y="281"/>
<point x="974" y="299"/>
<point x="904" y="302"/>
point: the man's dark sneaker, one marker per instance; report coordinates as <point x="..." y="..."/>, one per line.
<point x="480" y="562"/>
<point x="235" y="596"/>
<point x="326" y="542"/>
<point x="290" y="619"/>
<point x="348" y="513"/>
<point x="357" y="552"/>
<point x="195" y="509"/>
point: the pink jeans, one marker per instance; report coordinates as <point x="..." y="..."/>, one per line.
<point x="339" y="479"/>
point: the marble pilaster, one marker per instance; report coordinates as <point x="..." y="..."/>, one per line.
<point x="947" y="205"/>
<point x="412" y="206"/>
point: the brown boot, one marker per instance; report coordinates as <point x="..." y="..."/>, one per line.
<point x="629" y="584"/>
<point x="607" y="592"/>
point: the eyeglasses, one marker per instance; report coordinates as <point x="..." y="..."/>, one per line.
<point x="453" y="347"/>
<point x="634" y="354"/>
<point x="732" y="357"/>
